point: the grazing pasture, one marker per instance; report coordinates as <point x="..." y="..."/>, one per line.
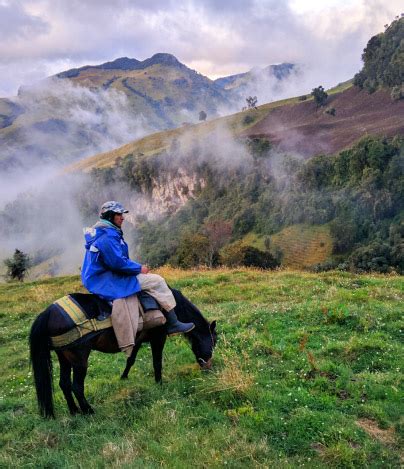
<point x="307" y="372"/>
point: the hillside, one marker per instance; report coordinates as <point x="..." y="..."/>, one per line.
<point x="305" y="374"/>
<point x="84" y="111"/>
<point x="279" y="71"/>
<point x="261" y="82"/>
<point x="290" y="125"/>
<point x="310" y="184"/>
<point x="244" y="171"/>
<point x="162" y="89"/>
<point x="175" y="182"/>
<point x="81" y="112"/>
<point x="307" y="130"/>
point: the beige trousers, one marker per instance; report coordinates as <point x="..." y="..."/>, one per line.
<point x="156" y="286"/>
<point x="125" y="321"/>
<point x="125" y="311"/>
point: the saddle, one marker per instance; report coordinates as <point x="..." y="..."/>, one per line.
<point x="94" y="307"/>
<point x="88" y="313"/>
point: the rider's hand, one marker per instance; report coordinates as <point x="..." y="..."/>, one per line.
<point x="145" y="269"/>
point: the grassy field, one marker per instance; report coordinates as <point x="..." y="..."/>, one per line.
<point x="306" y="373"/>
<point x="301" y="245"/>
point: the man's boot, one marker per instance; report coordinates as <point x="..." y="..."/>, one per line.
<point x="176" y="327"/>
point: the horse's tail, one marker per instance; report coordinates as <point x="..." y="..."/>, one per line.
<point x="42" y="363"/>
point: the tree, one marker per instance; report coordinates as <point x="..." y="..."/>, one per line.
<point x="382" y="59"/>
<point x="192" y="250"/>
<point x="202" y="116"/>
<point x="320" y="96"/>
<point x="218" y="233"/>
<point x="17" y="265"/>
<point x="252" y="102"/>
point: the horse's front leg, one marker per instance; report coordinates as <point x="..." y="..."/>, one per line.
<point x="131" y="360"/>
<point x="157" y="342"/>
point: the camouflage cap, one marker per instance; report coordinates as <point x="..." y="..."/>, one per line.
<point x="112" y="206"/>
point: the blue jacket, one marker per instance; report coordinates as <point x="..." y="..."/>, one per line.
<point x="107" y="270"/>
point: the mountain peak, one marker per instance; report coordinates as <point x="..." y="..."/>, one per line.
<point x="162" y="58"/>
<point x="125" y="63"/>
<point x="122" y="63"/>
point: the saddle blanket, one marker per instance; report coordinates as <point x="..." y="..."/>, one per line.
<point x="81" y="325"/>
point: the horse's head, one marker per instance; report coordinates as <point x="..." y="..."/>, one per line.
<point x="202" y="343"/>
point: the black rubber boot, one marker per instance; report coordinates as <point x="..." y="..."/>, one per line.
<point x="176" y="327"/>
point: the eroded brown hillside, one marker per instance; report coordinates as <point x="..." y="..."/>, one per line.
<point x="304" y="129"/>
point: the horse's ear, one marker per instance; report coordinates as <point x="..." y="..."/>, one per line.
<point x="212" y="326"/>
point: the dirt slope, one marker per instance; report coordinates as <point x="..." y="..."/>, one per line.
<point x="309" y="131"/>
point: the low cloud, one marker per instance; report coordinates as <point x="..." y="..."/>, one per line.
<point x="42" y="210"/>
<point x="62" y="123"/>
<point x="216" y="38"/>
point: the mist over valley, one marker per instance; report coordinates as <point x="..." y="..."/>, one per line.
<point x="262" y="175"/>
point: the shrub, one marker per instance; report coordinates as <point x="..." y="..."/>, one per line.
<point x="258" y="146"/>
<point x="344" y="233"/>
<point x="17" y="266"/>
<point x="248" y="119"/>
<point x="397" y="93"/>
<point x="243" y="222"/>
<point x="238" y="253"/>
<point x="324" y="266"/>
<point x="373" y="257"/>
<point x="192" y="251"/>
<point x="331" y="111"/>
<point x="253" y="257"/>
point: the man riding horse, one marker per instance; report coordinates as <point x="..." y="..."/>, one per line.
<point x="109" y="272"/>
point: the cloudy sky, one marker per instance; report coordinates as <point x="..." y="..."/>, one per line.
<point x="216" y="37"/>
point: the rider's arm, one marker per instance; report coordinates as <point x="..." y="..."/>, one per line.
<point x="114" y="258"/>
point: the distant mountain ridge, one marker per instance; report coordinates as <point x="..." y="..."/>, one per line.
<point x="125" y="63"/>
<point x="68" y="116"/>
<point x="278" y="71"/>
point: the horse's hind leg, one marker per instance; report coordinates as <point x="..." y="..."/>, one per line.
<point x="65" y="382"/>
<point x="80" y="364"/>
<point x="79" y="375"/>
<point x="131" y="360"/>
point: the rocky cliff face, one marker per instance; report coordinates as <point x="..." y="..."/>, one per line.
<point x="169" y="192"/>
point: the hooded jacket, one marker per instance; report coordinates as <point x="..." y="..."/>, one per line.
<point x="107" y="270"/>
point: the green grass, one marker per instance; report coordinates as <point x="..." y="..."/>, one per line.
<point x="306" y="373"/>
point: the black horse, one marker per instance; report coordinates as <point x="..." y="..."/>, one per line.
<point x="75" y="356"/>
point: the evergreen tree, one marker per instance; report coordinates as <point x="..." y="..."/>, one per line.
<point x="202" y="116"/>
<point x="320" y="96"/>
<point x="17" y="265"/>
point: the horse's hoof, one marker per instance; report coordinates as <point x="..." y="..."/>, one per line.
<point x="124" y="377"/>
<point x="88" y="411"/>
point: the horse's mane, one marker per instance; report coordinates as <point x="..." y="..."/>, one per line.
<point x="188" y="312"/>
